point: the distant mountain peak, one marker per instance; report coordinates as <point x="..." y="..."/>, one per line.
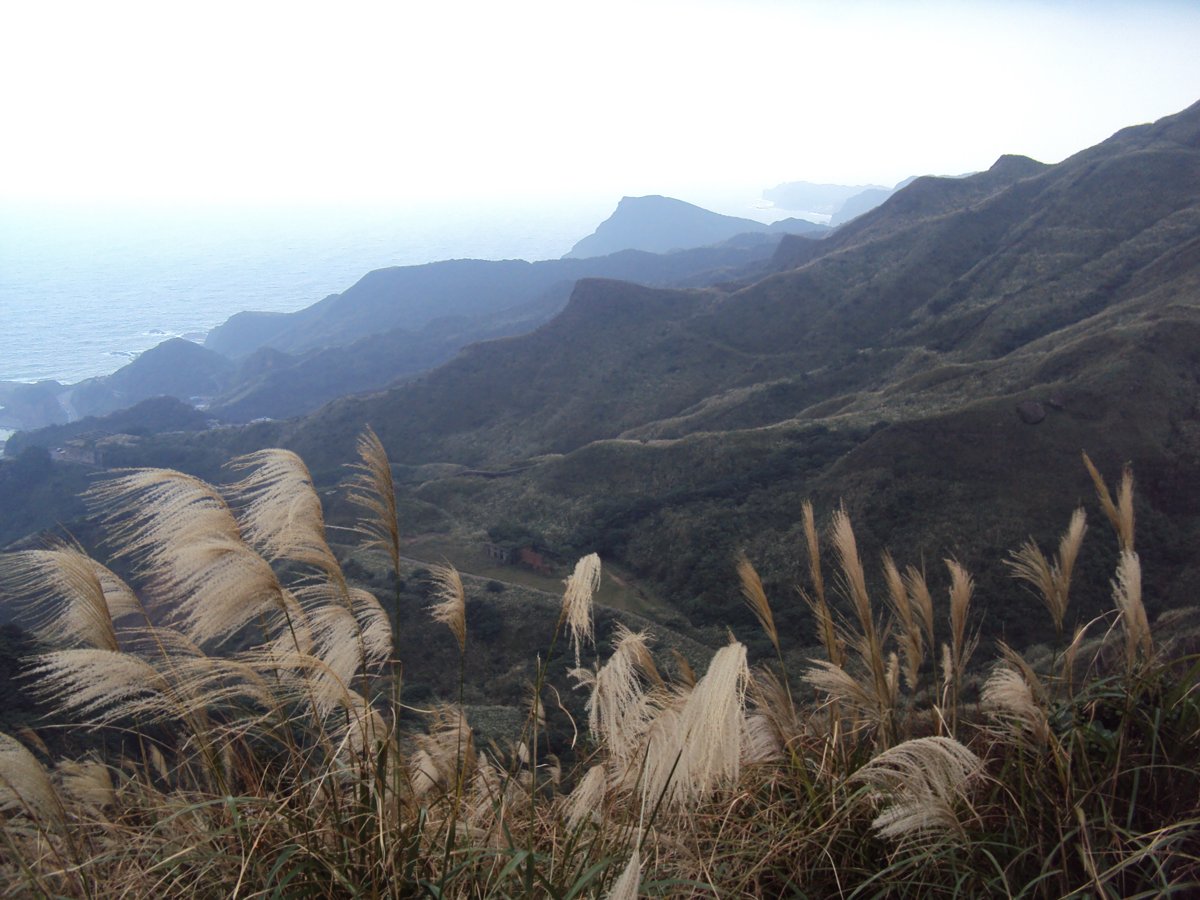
<point x="658" y="224"/>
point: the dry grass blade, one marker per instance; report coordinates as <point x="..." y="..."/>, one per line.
<point x="577" y="601"/>
<point x="451" y="606"/>
<point x="373" y="488"/>
<point x="756" y="599"/>
<point x="921" y="784"/>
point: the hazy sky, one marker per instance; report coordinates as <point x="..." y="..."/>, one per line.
<point x="268" y="101"/>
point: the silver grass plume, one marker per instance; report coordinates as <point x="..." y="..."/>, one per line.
<point x="373" y="489"/>
<point x="24" y="784"/>
<point x="842" y="688"/>
<point x="852" y="570"/>
<point x="619" y="710"/>
<point x="451" y="606"/>
<point x="756" y="599"/>
<point x="102" y="686"/>
<point x="813" y="546"/>
<point x="701" y="740"/>
<point x="774" y="725"/>
<point x="577" y="601"/>
<point x="685" y="674"/>
<point x="626" y="886"/>
<point x="910" y="636"/>
<point x="1120" y="512"/>
<point x="922" y="600"/>
<point x="184" y="541"/>
<point x="834" y="648"/>
<point x="1008" y="699"/>
<point x="72" y="599"/>
<point x="357" y="728"/>
<point x="962" y="587"/>
<point x="1127" y="594"/>
<point x="281" y="512"/>
<point x="436" y="760"/>
<point x="88" y="782"/>
<point x="346" y="628"/>
<point x="869" y="642"/>
<point x="1052" y="579"/>
<point x="584" y="803"/>
<point x="761" y="743"/>
<point x="921" y="783"/>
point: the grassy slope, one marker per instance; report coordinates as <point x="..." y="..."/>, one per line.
<point x="670" y="429"/>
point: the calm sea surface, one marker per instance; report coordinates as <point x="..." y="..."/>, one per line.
<point x="83" y="290"/>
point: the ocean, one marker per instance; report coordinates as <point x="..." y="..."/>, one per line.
<point x="85" y="289"/>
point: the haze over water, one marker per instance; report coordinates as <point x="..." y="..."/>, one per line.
<point x="84" y="289"/>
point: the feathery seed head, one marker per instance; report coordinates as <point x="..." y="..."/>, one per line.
<point x="1008" y="699"/>
<point x="24" y="784"/>
<point x="281" y="512"/>
<point x="920" y="782"/>
<point x="71" y="598"/>
<point x="852" y="569"/>
<point x="619" y="710"/>
<point x="814" y="550"/>
<point x="756" y="599"/>
<point x="706" y="736"/>
<point x="626" y="887"/>
<point x="577" y="601"/>
<point x="1119" y="513"/>
<point x="373" y="488"/>
<point x="451" y="606"/>
<point x="586" y="801"/>
<point x="88" y="782"/>
<point x="1127" y="594"/>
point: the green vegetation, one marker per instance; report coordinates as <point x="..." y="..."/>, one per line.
<point x="266" y="739"/>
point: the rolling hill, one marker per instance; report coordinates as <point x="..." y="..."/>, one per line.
<point x="937" y="364"/>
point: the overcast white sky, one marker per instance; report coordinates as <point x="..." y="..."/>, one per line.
<point x="265" y="101"/>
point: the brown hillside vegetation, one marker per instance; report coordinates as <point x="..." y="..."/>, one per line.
<point x="256" y="735"/>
